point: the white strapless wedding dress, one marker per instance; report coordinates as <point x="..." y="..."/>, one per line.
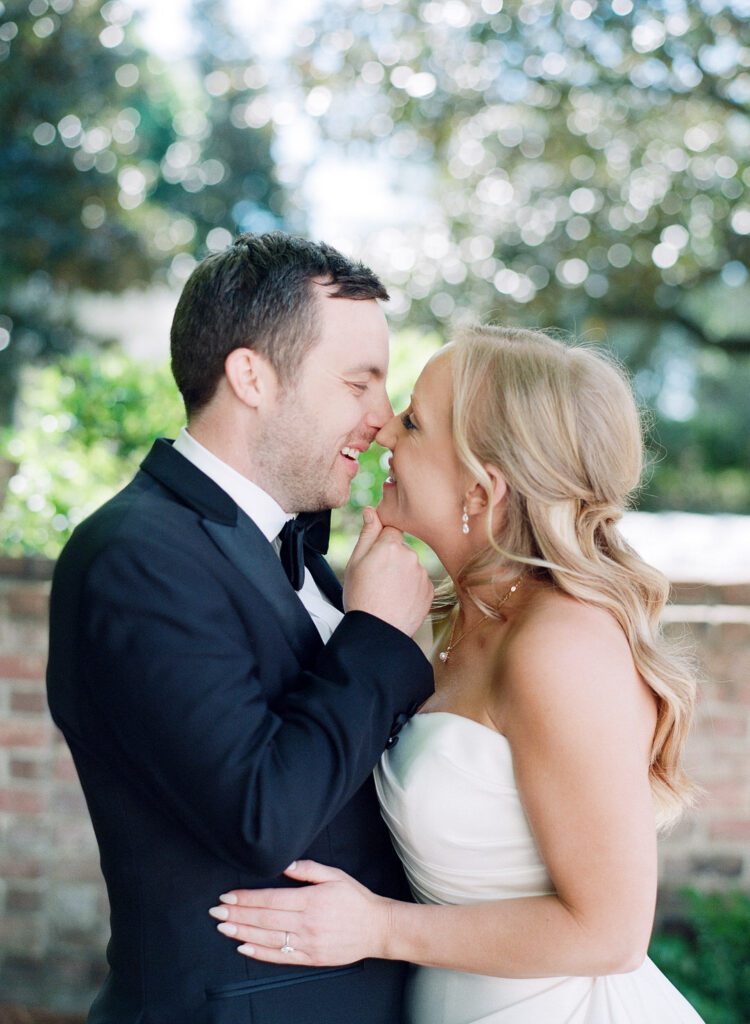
<point x="449" y="797"/>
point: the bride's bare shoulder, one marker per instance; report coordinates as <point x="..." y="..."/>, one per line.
<point x="551" y="611"/>
<point x="565" y="650"/>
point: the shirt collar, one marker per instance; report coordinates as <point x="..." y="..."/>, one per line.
<point x="264" y="510"/>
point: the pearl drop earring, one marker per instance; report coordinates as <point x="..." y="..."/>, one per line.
<point x="465" y="521"/>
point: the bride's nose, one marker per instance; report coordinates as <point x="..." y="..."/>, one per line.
<point x="386" y="436"/>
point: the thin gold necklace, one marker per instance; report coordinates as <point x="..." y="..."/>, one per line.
<point x="444" y="655"/>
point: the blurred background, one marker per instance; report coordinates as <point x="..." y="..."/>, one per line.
<point x="582" y="165"/>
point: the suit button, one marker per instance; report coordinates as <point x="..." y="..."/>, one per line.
<point x="398" y="723"/>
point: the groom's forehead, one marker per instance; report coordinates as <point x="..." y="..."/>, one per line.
<point x="356" y="330"/>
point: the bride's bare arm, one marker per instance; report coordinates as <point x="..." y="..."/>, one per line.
<point x="579" y="722"/>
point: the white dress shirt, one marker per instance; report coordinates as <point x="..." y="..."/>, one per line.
<point x="267" y="515"/>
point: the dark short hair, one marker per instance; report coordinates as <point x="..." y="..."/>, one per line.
<point x="257" y="294"/>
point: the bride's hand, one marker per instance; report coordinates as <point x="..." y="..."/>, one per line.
<point x="333" y="921"/>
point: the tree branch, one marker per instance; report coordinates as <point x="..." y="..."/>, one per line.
<point x="733" y="343"/>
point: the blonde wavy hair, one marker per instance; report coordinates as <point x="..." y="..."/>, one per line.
<point x="561" y="424"/>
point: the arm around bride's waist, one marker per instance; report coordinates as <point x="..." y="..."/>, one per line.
<point x="580" y="723"/>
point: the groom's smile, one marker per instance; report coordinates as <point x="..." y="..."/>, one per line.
<point x="334" y="409"/>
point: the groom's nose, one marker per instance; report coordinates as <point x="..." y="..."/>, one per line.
<point x="381" y="410"/>
<point x="386" y="436"/>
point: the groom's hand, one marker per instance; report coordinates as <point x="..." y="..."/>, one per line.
<point x="384" y="577"/>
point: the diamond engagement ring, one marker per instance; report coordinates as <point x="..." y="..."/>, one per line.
<point x="286" y="948"/>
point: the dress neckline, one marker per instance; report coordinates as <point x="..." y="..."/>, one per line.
<point x="462" y="718"/>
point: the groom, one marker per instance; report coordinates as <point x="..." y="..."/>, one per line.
<point x="224" y="703"/>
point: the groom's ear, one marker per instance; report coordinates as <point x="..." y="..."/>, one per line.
<point x="478" y="500"/>
<point x="251" y="377"/>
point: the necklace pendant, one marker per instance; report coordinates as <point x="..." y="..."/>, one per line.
<point x="443" y="656"/>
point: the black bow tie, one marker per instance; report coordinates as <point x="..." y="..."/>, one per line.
<point x="309" y="529"/>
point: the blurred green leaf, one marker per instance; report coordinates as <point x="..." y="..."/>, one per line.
<point x="578" y="166"/>
<point x="84" y="425"/>
<point x="705" y="951"/>
<point x="116" y="169"/>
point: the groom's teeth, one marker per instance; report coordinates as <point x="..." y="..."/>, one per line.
<point x="351" y="453"/>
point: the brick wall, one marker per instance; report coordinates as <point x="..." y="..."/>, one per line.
<point x="54" y="923"/>
<point x="711" y="846"/>
<point x="54" y="926"/>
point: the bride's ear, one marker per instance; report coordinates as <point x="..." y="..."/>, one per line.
<point x="477" y="500"/>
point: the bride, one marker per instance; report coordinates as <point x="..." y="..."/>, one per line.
<point x="525" y="796"/>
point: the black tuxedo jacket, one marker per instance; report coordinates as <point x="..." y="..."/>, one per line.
<point x="217" y="739"/>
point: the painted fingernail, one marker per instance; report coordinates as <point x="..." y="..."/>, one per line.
<point x="221" y="913"/>
<point x="247" y="950"/>
<point x="228" y="897"/>
<point x="227" y="929"/>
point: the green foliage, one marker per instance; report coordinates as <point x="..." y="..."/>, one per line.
<point x="114" y="169"/>
<point x="702" y="458"/>
<point x="706" y="954"/>
<point x="583" y="166"/>
<point x="586" y="158"/>
<point x="84" y="426"/>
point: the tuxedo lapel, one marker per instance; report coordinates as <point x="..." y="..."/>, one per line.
<point x="239" y="540"/>
<point x="188" y="483"/>
<point x="249" y="551"/>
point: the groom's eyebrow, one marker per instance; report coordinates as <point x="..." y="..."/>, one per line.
<point x="373" y="371"/>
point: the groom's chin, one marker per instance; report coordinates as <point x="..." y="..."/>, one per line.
<point x="337" y="497"/>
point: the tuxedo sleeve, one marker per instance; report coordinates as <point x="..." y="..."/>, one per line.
<point x="169" y="668"/>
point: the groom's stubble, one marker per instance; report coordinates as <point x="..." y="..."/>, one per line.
<point x="292" y="462"/>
